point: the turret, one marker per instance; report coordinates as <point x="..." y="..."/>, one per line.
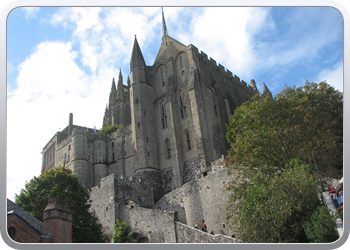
<point x="137" y="65"/>
<point x="143" y="127"/>
<point x="79" y="156"/>
<point x="120" y="86"/>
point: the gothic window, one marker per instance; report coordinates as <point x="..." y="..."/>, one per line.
<point x="163" y="77"/>
<point x="183" y="105"/>
<point x="113" y="157"/>
<point x="164" y="116"/>
<point x="68" y="147"/>
<point x="112" y="144"/>
<point x="167" y="144"/>
<point x="182" y="66"/>
<point x="138" y="124"/>
<point x="188" y="140"/>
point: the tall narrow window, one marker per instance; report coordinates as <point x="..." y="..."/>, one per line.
<point x="183" y="105"/>
<point x="182" y="66"/>
<point x="164" y="116"/>
<point x="112" y="144"/>
<point x="167" y="144"/>
<point x="188" y="140"/>
<point x="163" y="77"/>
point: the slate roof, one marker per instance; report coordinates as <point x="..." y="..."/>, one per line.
<point x="13" y="208"/>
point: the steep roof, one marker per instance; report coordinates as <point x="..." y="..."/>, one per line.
<point x="13" y="208"/>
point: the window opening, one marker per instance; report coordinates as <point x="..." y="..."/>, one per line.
<point x="183" y="105"/>
<point x="182" y="66"/>
<point x="163" y="77"/>
<point x="164" y="116"/>
<point x="188" y="140"/>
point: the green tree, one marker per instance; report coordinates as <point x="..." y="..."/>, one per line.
<point x="121" y="232"/>
<point x="60" y="183"/>
<point x="272" y="132"/>
<point x="321" y="227"/>
<point x="273" y="194"/>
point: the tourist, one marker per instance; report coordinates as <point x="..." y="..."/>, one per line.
<point x="332" y="192"/>
<point x="212" y="232"/>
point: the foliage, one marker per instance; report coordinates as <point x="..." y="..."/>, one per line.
<point x="60" y="183"/>
<point x="274" y="193"/>
<point x="273" y="206"/>
<point x="271" y="132"/>
<point x="110" y="129"/>
<point x="122" y="234"/>
<point x="321" y="227"/>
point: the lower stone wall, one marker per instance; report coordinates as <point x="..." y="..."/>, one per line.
<point x="152" y="226"/>
<point x="187" y="234"/>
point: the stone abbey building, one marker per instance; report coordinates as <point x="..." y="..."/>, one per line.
<point x="174" y="115"/>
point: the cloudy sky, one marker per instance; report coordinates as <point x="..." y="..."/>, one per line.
<point x="63" y="60"/>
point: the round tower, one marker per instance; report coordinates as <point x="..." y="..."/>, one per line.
<point x="79" y="163"/>
<point x="100" y="159"/>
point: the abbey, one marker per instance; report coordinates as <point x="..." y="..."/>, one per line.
<point x="158" y="166"/>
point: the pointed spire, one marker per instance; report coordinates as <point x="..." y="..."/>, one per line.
<point x="113" y="86"/>
<point x="120" y="81"/>
<point x="136" y="55"/>
<point x="266" y="91"/>
<point x="120" y="85"/>
<point x="137" y="60"/>
<point x="128" y="81"/>
<point x="164" y="29"/>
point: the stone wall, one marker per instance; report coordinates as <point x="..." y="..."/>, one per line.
<point x="187" y="234"/>
<point x="203" y="199"/>
<point x="155" y="225"/>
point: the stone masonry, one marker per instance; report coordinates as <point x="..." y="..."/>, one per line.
<point x="174" y="115"/>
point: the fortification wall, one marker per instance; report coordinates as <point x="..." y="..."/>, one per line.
<point x="157" y="226"/>
<point x="203" y="199"/>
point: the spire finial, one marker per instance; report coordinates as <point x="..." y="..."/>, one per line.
<point x="165" y="31"/>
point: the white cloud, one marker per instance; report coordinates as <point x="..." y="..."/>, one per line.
<point x="333" y="76"/>
<point x="31" y="11"/>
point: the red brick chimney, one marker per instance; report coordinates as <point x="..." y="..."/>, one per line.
<point x="57" y="219"/>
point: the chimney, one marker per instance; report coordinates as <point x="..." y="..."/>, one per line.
<point x="70" y="126"/>
<point x="57" y="219"/>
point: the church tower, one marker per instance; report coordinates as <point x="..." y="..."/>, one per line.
<point x="142" y="122"/>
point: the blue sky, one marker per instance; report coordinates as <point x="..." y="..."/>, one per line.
<point x="63" y="60"/>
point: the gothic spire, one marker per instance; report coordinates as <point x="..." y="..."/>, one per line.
<point x="165" y="31"/>
<point x="120" y="85"/>
<point x="137" y="60"/>
<point x="266" y="91"/>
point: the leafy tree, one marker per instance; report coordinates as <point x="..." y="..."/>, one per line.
<point x="110" y="129"/>
<point x="60" y="183"/>
<point x="273" y="194"/>
<point x="272" y="132"/>
<point x="122" y="234"/>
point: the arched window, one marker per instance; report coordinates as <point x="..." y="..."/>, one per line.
<point x="163" y="77"/>
<point x="168" y="149"/>
<point x="188" y="140"/>
<point x="164" y="115"/>
<point x="183" y="105"/>
<point x="182" y="66"/>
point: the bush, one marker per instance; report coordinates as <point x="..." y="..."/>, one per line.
<point x="321" y="228"/>
<point x="110" y="129"/>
